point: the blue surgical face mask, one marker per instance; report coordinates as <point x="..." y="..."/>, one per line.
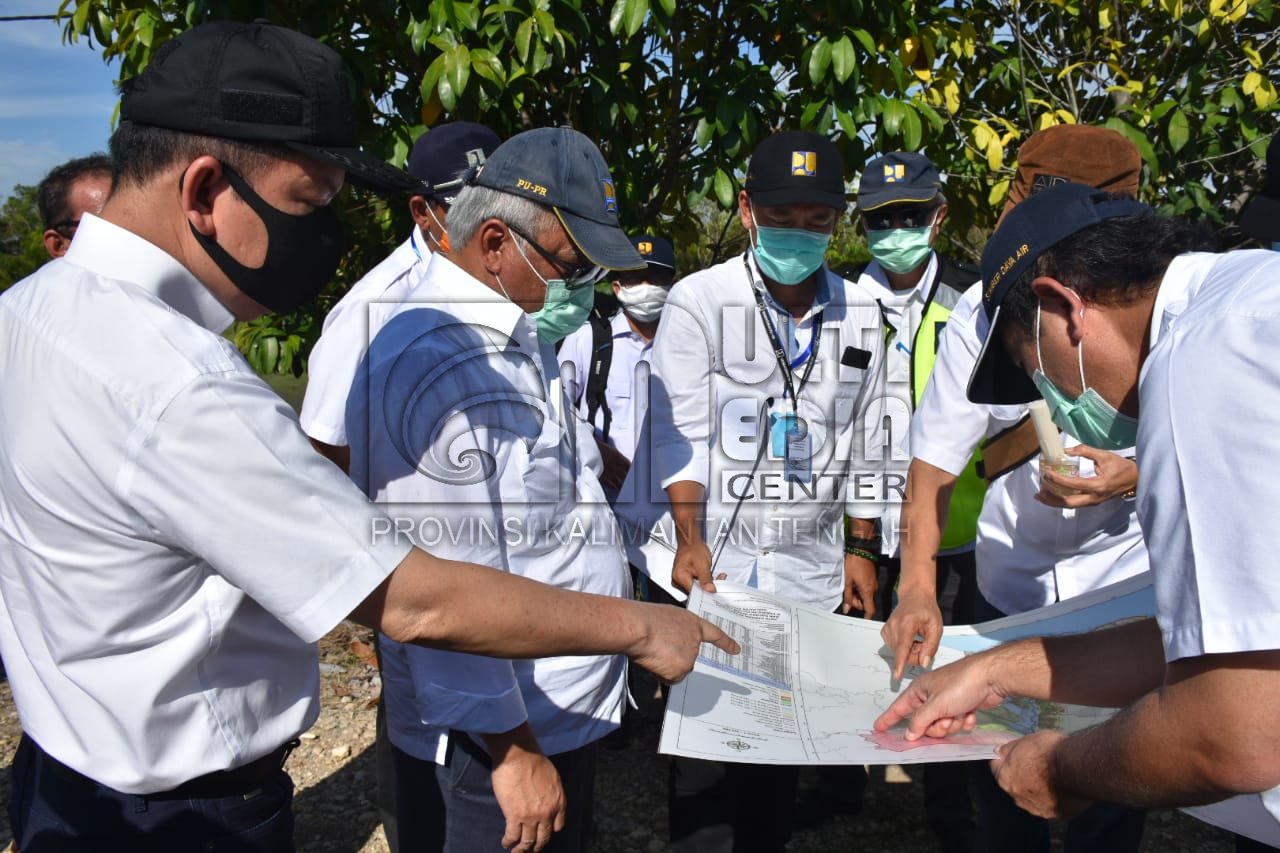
<point x="1089" y="417"/>
<point x="564" y="310"/>
<point x="788" y="255"/>
<point x="900" y="250"/>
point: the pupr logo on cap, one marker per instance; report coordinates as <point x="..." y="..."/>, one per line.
<point x="610" y="196"/>
<point x="475" y="157"/>
<point x="644" y="247"/>
<point x="804" y="164"/>
<point x="894" y="172"/>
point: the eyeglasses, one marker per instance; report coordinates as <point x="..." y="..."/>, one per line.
<point x="899" y="217"/>
<point x="581" y="274"/>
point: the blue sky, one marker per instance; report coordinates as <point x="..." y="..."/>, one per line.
<point x="56" y="100"/>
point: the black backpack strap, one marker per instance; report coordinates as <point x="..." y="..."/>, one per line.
<point x="598" y="372"/>
<point x="956" y="275"/>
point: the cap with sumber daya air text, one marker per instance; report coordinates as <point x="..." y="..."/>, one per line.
<point x="560" y="168"/>
<point x="257" y="83"/>
<point x="1033" y="227"/>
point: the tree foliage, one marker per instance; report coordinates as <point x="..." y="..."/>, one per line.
<point x="678" y="93"/>
<point x="21" y="236"/>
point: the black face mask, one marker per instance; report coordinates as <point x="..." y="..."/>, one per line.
<point x="303" y="253"/>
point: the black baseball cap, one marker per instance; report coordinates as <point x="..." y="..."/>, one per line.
<point x="560" y="168"/>
<point x="796" y="167"/>
<point x="1261" y="217"/>
<point x="257" y="83"/>
<point x="656" y="251"/>
<point x="899" y="177"/>
<point x="1036" y="225"/>
<point x="441" y="156"/>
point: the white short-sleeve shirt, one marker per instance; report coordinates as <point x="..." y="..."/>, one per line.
<point x="716" y="393"/>
<point x="1028" y="554"/>
<point x="170" y="545"/>
<point x="347" y="331"/>
<point x="626" y="388"/>
<point x="460" y="431"/>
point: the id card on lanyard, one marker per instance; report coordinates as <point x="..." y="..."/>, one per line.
<point x="788" y="434"/>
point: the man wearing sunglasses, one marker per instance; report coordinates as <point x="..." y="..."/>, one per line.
<point x="459" y="424"/>
<point x="67" y="193"/>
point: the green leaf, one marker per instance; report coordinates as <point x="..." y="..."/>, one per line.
<point x="911" y="128"/>
<point x="617" y="16"/>
<point x="637" y="11"/>
<point x="488" y="66"/>
<point x="864" y="38"/>
<point x="458" y="69"/>
<point x="668" y="7"/>
<point x="811" y="111"/>
<point x="431" y="77"/>
<point x="524" y="38"/>
<point x="847" y="124"/>
<point x="724" y="188"/>
<point x="843" y="60"/>
<point x="546" y="24"/>
<point x="1179" y="131"/>
<point x="893" y="114"/>
<point x="1139" y="140"/>
<point x="80" y="19"/>
<point x="819" y="60"/>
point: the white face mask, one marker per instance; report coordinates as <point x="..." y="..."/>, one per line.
<point x="643" y="302"/>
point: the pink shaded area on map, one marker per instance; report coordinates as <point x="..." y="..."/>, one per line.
<point x="895" y="739"/>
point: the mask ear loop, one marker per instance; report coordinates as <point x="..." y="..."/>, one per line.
<point x="444" y="243"/>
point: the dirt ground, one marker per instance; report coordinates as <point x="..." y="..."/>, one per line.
<point x="333" y="770"/>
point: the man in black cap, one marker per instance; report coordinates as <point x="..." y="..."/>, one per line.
<point x="438" y="160"/>
<point x="171" y="548"/>
<point x="1133" y="333"/>
<point x="459" y="421"/>
<point x="1261" y="218"/>
<point x="606" y="353"/>
<point x="767" y="371"/>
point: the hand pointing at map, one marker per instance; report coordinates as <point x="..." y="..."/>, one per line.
<point x="946" y="700"/>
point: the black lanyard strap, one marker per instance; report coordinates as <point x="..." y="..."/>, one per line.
<point x="779" y="352"/>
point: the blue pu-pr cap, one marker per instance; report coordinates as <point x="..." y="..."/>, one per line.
<point x="560" y="168"/>
<point x="899" y="177"/>
<point x="1035" y="226"/>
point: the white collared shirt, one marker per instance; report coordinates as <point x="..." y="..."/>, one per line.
<point x="1029" y="554"/>
<point x="170" y="545"/>
<point x="903" y="311"/>
<point x="627" y="387"/>
<point x="1208" y="417"/>
<point x="716" y="384"/>
<point x="348" y="328"/>
<point x="458" y="428"/>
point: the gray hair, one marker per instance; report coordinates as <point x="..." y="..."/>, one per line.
<point x="476" y="204"/>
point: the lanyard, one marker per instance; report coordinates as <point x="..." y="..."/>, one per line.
<point x="414" y="244"/>
<point x="779" y="352"/>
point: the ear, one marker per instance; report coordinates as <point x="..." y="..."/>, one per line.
<point x="940" y="217"/>
<point x="55" y="244"/>
<point x="1056" y="298"/>
<point x="418" y="210"/>
<point x="491" y="238"/>
<point x="744" y="211"/>
<point x="617" y="288"/>
<point x="202" y="181"/>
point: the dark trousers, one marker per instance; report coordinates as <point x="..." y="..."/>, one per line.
<point x="54" y="810"/>
<point x="418" y="805"/>
<point x="1005" y="828"/>
<point x="718" y="807"/>
<point x="474" y="822"/>
<point x="947" y="803"/>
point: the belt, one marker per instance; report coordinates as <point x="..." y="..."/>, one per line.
<point x="219" y="783"/>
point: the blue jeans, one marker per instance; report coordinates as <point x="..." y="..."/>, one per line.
<point x="1005" y="828"/>
<point x="52" y="810"/>
<point x="473" y="820"/>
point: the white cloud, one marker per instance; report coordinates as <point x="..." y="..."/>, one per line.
<point x="26" y="162"/>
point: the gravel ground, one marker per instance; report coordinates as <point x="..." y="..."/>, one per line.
<point x="334" y="773"/>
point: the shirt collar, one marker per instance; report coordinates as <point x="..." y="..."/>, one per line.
<point x="1180" y="280"/>
<point x="119" y="254"/>
<point x="620" y="328"/>
<point x="472" y="299"/>
<point x="821" y="299"/>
